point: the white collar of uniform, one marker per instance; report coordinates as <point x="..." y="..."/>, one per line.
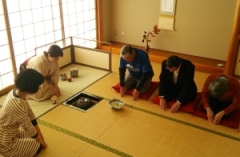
<point x="177" y="71"/>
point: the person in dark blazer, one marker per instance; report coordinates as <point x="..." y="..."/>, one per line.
<point x="176" y="82"/>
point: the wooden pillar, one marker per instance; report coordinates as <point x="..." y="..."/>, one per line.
<point x="234" y="43"/>
<point x="99" y="19"/>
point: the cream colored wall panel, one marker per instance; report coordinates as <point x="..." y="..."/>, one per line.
<point x="66" y="59"/>
<point x="203" y="29"/>
<point x="92" y="57"/>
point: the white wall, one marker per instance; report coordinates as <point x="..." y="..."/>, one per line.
<point x="203" y="27"/>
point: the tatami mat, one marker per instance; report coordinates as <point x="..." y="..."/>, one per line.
<point x="99" y="152"/>
<point x="182" y="119"/>
<point x="140" y="129"/>
<point x="91" y="124"/>
<point x="187" y="119"/>
<point x="135" y="132"/>
<point x="146" y="105"/>
<point x="86" y="76"/>
<point x="141" y="134"/>
<point x="61" y="144"/>
<point x="85" y="126"/>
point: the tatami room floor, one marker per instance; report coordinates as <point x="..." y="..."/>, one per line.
<point x="140" y="129"/>
<point x="87" y="76"/>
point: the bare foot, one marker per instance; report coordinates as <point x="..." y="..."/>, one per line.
<point x="54" y="99"/>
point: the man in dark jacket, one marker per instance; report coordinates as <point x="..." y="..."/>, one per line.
<point x="176" y="83"/>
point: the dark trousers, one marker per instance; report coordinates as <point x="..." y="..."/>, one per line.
<point x="174" y="92"/>
<point x="218" y="106"/>
<point x="131" y="82"/>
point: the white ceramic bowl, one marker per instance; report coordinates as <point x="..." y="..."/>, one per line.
<point x="116" y="104"/>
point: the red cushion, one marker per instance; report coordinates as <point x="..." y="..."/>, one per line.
<point x="232" y="120"/>
<point x="189" y="108"/>
<point x="154" y="86"/>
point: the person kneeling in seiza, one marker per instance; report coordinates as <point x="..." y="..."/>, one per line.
<point x="176" y="83"/>
<point x="220" y="96"/>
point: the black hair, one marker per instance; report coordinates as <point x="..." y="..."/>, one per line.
<point x="55" y="51"/>
<point x="29" y="80"/>
<point x="173" y="61"/>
